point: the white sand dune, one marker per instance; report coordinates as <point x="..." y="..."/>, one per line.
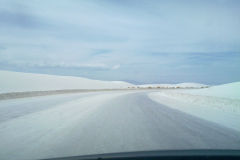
<point x="179" y="85"/>
<point x="21" y="82"/>
<point x="230" y="90"/>
<point x="220" y="104"/>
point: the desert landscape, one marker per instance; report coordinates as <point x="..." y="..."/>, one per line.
<point x="59" y="113"/>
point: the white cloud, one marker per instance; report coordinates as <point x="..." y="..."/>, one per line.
<point x="61" y="64"/>
<point x="116" y="66"/>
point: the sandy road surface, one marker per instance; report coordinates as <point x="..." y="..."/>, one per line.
<point x="102" y="122"/>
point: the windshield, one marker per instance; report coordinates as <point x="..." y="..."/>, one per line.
<point x="106" y="76"/>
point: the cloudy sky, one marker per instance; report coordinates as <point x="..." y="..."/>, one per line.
<point x="140" y="41"/>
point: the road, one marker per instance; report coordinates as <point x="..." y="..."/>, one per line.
<point x="102" y="122"/>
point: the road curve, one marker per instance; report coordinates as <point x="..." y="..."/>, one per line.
<point x="103" y="122"/>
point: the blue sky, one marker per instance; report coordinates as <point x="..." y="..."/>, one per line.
<point x="140" y="41"/>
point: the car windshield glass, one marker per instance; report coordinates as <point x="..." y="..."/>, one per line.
<point x="85" y="77"/>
